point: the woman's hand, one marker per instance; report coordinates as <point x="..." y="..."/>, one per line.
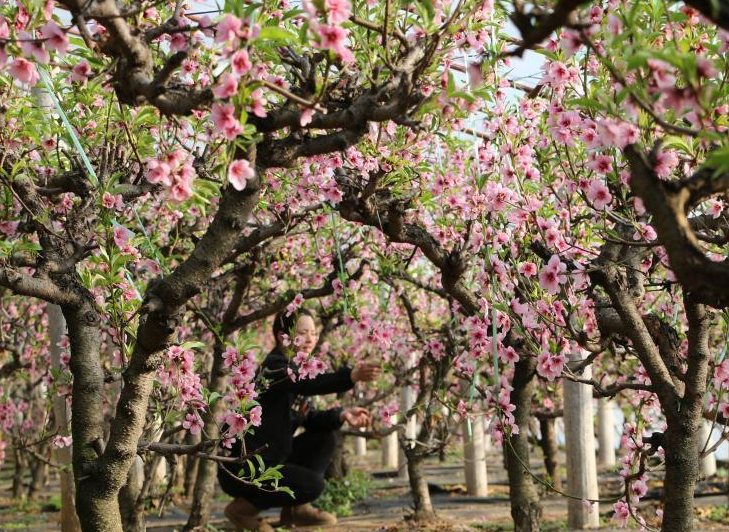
<point x="356" y="417"/>
<point x="365" y="372"/>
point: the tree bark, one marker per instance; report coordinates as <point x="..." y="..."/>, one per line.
<point x="415" y="462"/>
<point x="550" y="450"/>
<point x="526" y="511"/>
<point x="682" y="469"/>
<point x="131" y="499"/>
<point x="708" y="462"/>
<point x="419" y="487"/>
<point x="338" y="467"/>
<point x="97" y="502"/>
<point x="683" y="426"/>
<point x="20" y="466"/>
<point x="190" y="466"/>
<point x="38" y="476"/>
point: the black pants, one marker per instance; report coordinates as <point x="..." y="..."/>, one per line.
<point x="303" y="473"/>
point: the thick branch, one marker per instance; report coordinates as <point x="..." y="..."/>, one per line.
<point x="163" y="301"/>
<point x="636" y="330"/>
<point x="45" y="289"/>
<point x="707" y="280"/>
<point x="283" y="300"/>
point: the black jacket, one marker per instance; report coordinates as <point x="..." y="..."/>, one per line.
<point x="280" y="416"/>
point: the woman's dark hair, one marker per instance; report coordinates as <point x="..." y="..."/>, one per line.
<point x="285" y="324"/>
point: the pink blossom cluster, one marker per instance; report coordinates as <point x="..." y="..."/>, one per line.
<point x="224" y="121"/>
<point x="330" y="34"/>
<point x="721" y="375"/>
<point x="239" y="173"/>
<point x="8" y="413"/>
<point x="241" y="391"/>
<point x="549" y="364"/>
<point x="177" y="372"/>
<point x="552" y="275"/>
<point x="123" y="238"/>
<point x="35" y="49"/>
<point x="308" y="366"/>
<point x="637" y="487"/>
<point x="295" y="304"/>
<point x="175" y="172"/>
<point x="231" y="30"/>
<point x="388" y="414"/>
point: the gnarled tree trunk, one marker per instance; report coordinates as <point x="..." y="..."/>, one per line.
<point x="526" y="511"/>
<point x="682" y="470"/>
<point x="682" y="433"/>
<point x="96" y="495"/>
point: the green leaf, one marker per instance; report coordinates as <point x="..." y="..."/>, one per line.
<point x="276" y="33"/>
<point x="261" y="465"/>
<point x="590" y="103"/>
<point x="451" y="83"/>
<point x="192" y="345"/>
<point x="637" y="60"/>
<point x="678" y="143"/>
<point x="718" y="160"/>
<point x="214" y="397"/>
<point x="425" y="7"/>
<point x="465" y="95"/>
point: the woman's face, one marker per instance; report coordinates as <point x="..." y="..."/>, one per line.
<point x="306" y="335"/>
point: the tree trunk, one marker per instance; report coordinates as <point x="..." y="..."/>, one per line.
<point x="415" y="461"/>
<point x="683" y="426"/>
<point x="190" y="464"/>
<point x="97" y="483"/>
<point x="682" y="470"/>
<point x="207" y="470"/>
<point x="549" y="446"/>
<point x="526" y="510"/>
<point x="97" y="511"/>
<point x="132" y="500"/>
<point x="338" y="467"/>
<point x="20" y="466"/>
<point x="419" y="488"/>
<point x="38" y="476"/>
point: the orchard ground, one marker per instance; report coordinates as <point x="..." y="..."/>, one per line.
<point x="389" y="501"/>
